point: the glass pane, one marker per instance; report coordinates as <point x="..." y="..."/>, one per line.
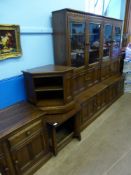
<point x="107" y="42"/>
<point x="94" y="41"/>
<point x="116" y="42"/>
<point x="77" y="38"/>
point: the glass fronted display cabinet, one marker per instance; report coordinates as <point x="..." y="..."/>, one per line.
<point x="82" y="38"/>
<point x="88" y="42"/>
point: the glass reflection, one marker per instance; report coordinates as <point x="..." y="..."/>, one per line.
<point x="77" y="38"/>
<point x="107" y="42"/>
<point x="94" y="41"/>
<point x="116" y="42"/>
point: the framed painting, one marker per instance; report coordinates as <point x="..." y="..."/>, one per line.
<point x="9" y="41"/>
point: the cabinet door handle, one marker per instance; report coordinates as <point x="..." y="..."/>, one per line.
<point x="28" y="133"/>
<point x="16" y="162"/>
<point x="6" y="169"/>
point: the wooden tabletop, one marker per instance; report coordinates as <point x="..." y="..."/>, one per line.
<point x="17" y="116"/>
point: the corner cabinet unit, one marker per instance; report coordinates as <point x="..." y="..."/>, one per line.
<point x="50" y="88"/>
<point x="87" y="41"/>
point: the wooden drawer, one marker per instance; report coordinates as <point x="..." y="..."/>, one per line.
<point x="25" y="133"/>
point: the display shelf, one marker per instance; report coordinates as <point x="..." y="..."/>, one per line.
<point x="49" y="86"/>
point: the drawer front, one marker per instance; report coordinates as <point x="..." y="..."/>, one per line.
<point x="25" y="133"/>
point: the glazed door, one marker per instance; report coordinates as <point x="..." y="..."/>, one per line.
<point x="116" y="40"/>
<point x="77" y="40"/>
<point x="106" y="51"/>
<point x="107" y="40"/>
<point x="94" y="41"/>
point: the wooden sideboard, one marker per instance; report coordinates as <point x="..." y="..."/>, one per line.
<point x="23" y="139"/>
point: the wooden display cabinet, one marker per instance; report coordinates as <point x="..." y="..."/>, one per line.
<point x="90" y="43"/>
<point x="50" y="87"/>
<point x="85" y="38"/>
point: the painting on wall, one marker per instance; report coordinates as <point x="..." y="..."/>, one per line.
<point x="9" y="41"/>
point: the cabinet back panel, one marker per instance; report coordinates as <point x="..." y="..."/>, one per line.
<point x="48" y="81"/>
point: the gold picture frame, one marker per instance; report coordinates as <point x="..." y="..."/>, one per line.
<point x="9" y="41"/>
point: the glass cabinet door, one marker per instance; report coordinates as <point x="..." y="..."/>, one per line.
<point x="94" y="42"/>
<point x="116" y="42"/>
<point x="77" y="43"/>
<point x="107" y="42"/>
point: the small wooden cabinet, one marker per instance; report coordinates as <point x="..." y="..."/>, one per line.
<point x="50" y="87"/>
<point x="63" y="127"/>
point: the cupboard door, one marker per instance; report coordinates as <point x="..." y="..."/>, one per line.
<point x="105" y="70"/>
<point x="88" y="109"/>
<point x="4" y="168"/>
<point x="93" y="75"/>
<point x="77" y="40"/>
<point x="67" y="86"/>
<point x="115" y="66"/>
<point x="28" y="153"/>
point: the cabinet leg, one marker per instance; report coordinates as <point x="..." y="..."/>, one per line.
<point x="53" y="139"/>
<point x="77" y="133"/>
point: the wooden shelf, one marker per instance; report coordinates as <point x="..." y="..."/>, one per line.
<point x="49" y="88"/>
<point x="50" y="102"/>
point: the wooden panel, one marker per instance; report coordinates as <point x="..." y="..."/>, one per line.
<point x="16" y="116"/>
<point x="105" y="70"/>
<point x="88" y="109"/>
<point x="93" y="76"/>
<point x="68" y="86"/>
<point x="79" y="82"/>
<point x="115" y="67"/>
<point x="4" y="168"/>
<point x="25" y="133"/>
<point x="25" y="156"/>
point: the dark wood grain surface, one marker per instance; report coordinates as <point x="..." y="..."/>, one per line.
<point x="16" y="116"/>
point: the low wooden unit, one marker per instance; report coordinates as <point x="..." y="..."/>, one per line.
<point x="63" y="127"/>
<point x="23" y="139"/>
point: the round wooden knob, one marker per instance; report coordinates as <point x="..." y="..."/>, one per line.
<point x="28" y="133"/>
<point x="6" y="169"/>
<point x="16" y="162"/>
